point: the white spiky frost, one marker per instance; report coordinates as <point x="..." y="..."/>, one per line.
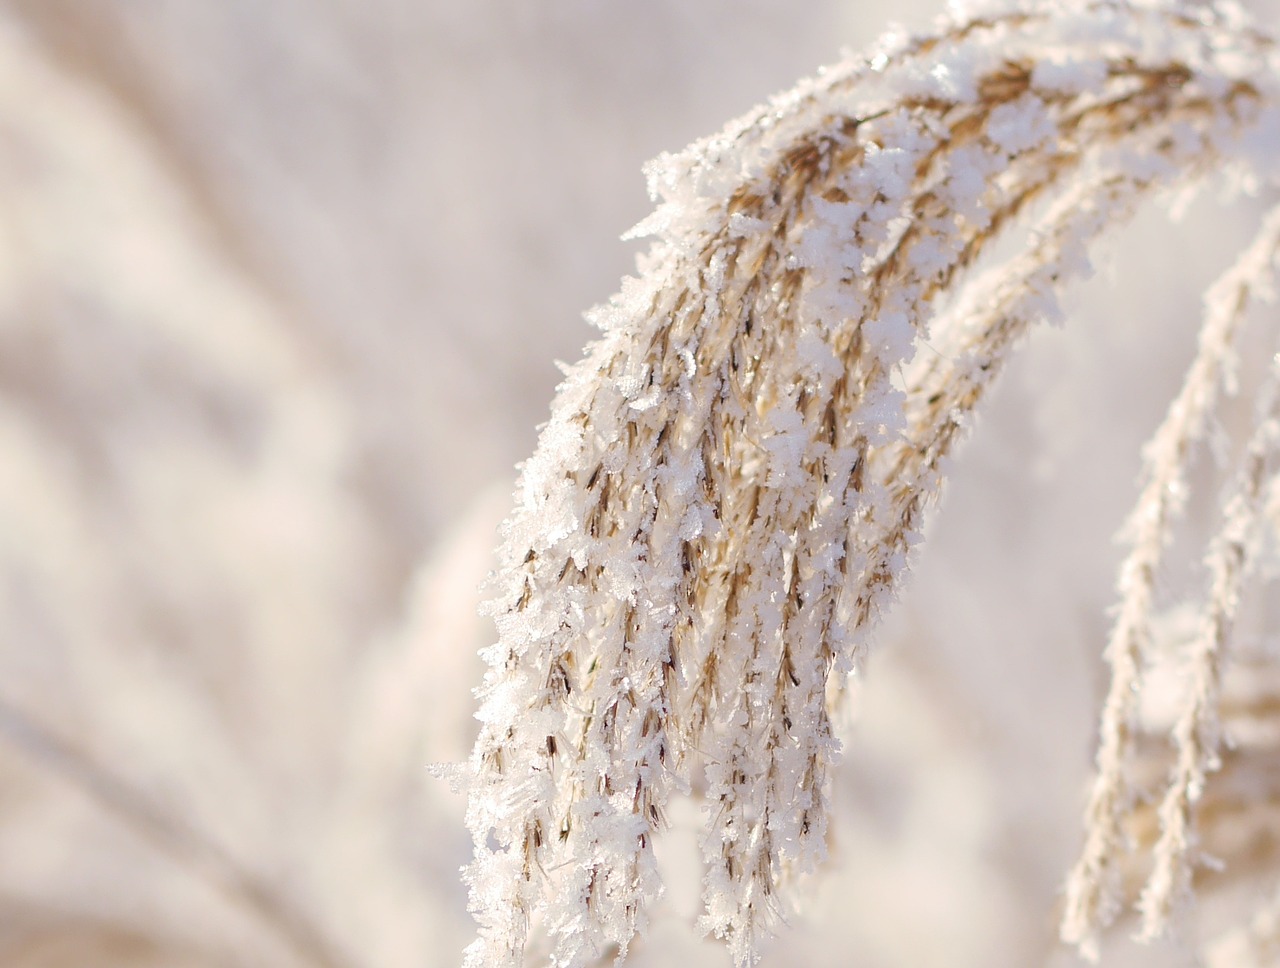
<point x="727" y="492"/>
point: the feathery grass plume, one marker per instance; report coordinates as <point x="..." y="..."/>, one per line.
<point x="725" y="497"/>
<point x="1229" y="562"/>
<point x="1237" y="813"/>
<point x="1093" y="887"/>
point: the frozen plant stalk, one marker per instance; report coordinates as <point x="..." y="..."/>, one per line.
<point x="726" y="495"/>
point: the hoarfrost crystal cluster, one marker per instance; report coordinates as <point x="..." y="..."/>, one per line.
<point x="729" y="489"/>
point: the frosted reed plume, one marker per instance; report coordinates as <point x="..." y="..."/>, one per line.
<point x="727" y="493"/>
<point x="1196" y="733"/>
<point x="1092" y="893"/>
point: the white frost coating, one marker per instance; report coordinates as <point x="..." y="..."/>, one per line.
<point x="1092" y="891"/>
<point x="1020" y="126"/>
<point x="726" y="495"/>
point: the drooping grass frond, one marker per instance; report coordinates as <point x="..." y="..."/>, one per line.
<point x="1093" y="888"/>
<point x="1197" y="733"/>
<point x="726" y="495"/>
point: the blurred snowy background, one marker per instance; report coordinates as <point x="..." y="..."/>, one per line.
<point x="281" y="288"/>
